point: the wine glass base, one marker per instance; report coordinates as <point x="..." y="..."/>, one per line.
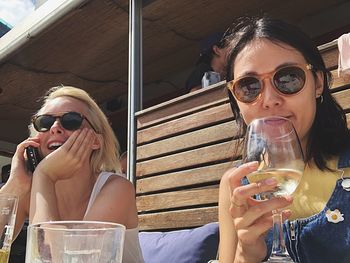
<point x="284" y="258"/>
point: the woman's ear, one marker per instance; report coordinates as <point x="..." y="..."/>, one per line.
<point x="97" y="142"/>
<point x="319" y="83"/>
<point x="217" y="50"/>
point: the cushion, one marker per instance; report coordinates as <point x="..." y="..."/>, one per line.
<point x="196" y="245"/>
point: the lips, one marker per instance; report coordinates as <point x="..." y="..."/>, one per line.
<point x="54" y="145"/>
<point x="275" y="120"/>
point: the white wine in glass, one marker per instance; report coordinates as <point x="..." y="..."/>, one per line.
<point x="274" y="144"/>
<point x="287" y="181"/>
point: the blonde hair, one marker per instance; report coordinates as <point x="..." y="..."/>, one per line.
<point x="106" y="158"/>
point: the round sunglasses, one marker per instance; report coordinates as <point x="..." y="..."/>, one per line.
<point x="70" y="121"/>
<point x="287" y="80"/>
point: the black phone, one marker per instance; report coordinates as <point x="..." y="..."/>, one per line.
<point x="33" y="158"/>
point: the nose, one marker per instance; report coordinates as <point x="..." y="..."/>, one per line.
<point x="270" y="97"/>
<point x="56" y="127"/>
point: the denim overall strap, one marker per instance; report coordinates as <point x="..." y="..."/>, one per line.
<point x="324" y="237"/>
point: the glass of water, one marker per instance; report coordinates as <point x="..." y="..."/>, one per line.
<point x="8" y="211"/>
<point x="75" y="242"/>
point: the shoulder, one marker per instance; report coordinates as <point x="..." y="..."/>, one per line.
<point x="117" y="184"/>
<point x="118" y="181"/>
<point x="195" y="78"/>
<point x="115" y="202"/>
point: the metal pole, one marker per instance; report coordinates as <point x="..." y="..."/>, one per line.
<point x="135" y="82"/>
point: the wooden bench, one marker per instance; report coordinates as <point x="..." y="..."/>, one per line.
<point x="185" y="145"/>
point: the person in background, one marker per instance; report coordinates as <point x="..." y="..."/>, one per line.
<point x="212" y="59"/>
<point x="79" y="176"/>
<point x="5" y="173"/>
<point x="123" y="159"/>
<point x="274" y="69"/>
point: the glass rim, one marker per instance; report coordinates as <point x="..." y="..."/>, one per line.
<point x="9" y="196"/>
<point x="274" y="117"/>
<point x="47" y="225"/>
<point x="269" y="118"/>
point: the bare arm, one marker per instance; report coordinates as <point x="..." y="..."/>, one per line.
<point x="115" y="203"/>
<point x="228" y="236"/>
<point x="43" y="200"/>
<point x="19" y="182"/>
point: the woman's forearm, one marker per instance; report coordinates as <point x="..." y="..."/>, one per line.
<point x="43" y="201"/>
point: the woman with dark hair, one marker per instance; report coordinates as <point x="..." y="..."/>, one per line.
<point x="274" y="69"/>
<point x="212" y="59"/>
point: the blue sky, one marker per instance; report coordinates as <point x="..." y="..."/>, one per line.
<point x="13" y="11"/>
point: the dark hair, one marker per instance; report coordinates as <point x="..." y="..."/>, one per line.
<point x="207" y="52"/>
<point x="329" y="134"/>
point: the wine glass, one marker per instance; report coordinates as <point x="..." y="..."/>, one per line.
<point x="274" y="143"/>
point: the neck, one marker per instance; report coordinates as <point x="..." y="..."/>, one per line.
<point x="74" y="194"/>
<point x="217" y="65"/>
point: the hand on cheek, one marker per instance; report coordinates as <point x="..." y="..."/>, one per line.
<point x="70" y="157"/>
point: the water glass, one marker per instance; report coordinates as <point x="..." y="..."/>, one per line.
<point x="75" y="242"/>
<point x="8" y="210"/>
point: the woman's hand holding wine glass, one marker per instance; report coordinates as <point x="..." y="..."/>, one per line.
<point x="252" y="218"/>
<point x="273" y="143"/>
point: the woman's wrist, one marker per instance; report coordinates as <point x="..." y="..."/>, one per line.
<point x="245" y="257"/>
<point x="15" y="188"/>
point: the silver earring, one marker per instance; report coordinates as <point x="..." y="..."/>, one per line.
<point x="321" y="98"/>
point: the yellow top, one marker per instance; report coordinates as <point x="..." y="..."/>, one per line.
<point x="315" y="189"/>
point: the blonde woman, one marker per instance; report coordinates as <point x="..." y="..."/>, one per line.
<point x="79" y="177"/>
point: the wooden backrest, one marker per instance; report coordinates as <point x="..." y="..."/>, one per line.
<point x="184" y="146"/>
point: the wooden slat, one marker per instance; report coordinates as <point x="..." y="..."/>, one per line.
<point x="205" y="118"/>
<point x="209" y="154"/>
<point x="338" y="81"/>
<point x="178" y="219"/>
<point x="176" y="199"/>
<point x="330" y="57"/>
<point x="185" y="141"/>
<point x="174" y="107"/>
<point x="343" y="98"/>
<point x="183" y="178"/>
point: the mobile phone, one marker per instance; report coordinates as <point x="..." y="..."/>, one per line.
<point x="33" y="158"/>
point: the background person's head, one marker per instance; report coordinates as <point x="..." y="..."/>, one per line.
<point x="213" y="52"/>
<point x="329" y="120"/>
<point x="106" y="156"/>
<point x="123" y="159"/>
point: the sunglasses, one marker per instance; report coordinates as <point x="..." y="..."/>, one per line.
<point x="287" y="80"/>
<point x="70" y="121"/>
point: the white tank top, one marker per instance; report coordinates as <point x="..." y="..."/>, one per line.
<point x="132" y="251"/>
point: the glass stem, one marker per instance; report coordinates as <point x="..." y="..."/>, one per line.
<point x="278" y="245"/>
